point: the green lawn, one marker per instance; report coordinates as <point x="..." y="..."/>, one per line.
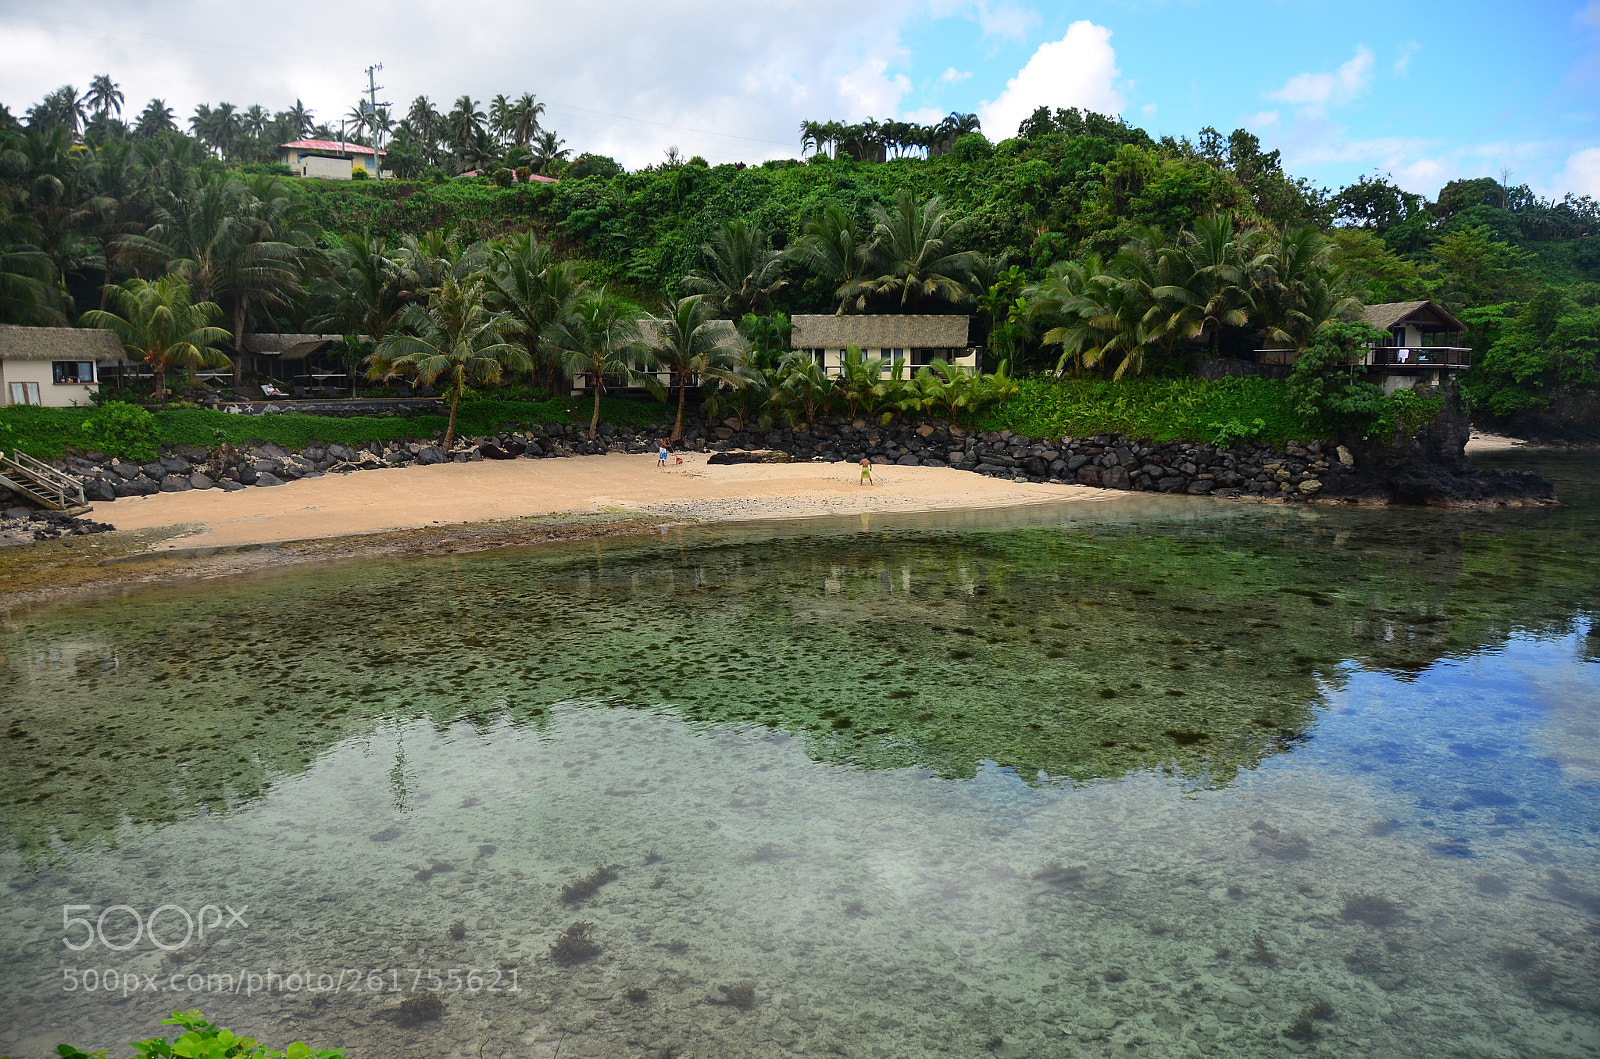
<point x="45" y="432"/>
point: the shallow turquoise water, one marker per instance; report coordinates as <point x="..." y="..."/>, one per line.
<point x="1172" y="778"/>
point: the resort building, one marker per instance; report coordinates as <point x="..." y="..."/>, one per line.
<point x="56" y="367"/>
<point x="329" y="159"/>
<point x="917" y="340"/>
<point x="1423" y="344"/>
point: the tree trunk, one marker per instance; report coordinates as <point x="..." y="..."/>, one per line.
<point x="450" y="431"/>
<point x="240" y="311"/>
<point x="677" y="428"/>
<point x="594" y="421"/>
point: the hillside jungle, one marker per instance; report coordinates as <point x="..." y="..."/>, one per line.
<point x="1099" y="265"/>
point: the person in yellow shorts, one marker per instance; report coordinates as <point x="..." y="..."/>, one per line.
<point x="866" y="472"/>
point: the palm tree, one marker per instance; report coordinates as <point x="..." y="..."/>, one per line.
<point x="361" y="292"/>
<point x="697" y="349"/>
<point x="160" y="324"/>
<point x="915" y="244"/>
<point x="547" y="150"/>
<point x="104" y="96"/>
<point x="455" y="337"/>
<point x="429" y="260"/>
<point x="155" y="119"/>
<point x="426" y="123"/>
<point x="298" y="119"/>
<point x="50" y="185"/>
<point x="255" y="121"/>
<point x="532" y="288"/>
<point x="834" y="249"/>
<point x="1299" y="290"/>
<point x="803" y="387"/>
<point x="464" y="123"/>
<point x="244" y="242"/>
<point x="60" y="109"/>
<point x="744" y="271"/>
<point x="501" y="118"/>
<point x="26" y="293"/>
<point x="598" y="338"/>
<point x="525" y="119"/>
<point x="1219" y="260"/>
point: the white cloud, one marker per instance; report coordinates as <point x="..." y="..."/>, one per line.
<point x="1402" y="64"/>
<point x="1264" y="120"/>
<point x="953" y="76"/>
<point x="622" y="77"/>
<point x="1006" y="20"/>
<point x="1582" y="174"/>
<point x="1079" y="70"/>
<point x="1148" y="109"/>
<point x="870" y="90"/>
<point x="1317" y="91"/>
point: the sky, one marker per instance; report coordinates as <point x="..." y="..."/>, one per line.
<point x="1425" y="92"/>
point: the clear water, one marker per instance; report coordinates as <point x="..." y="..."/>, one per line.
<point x="1174" y="778"/>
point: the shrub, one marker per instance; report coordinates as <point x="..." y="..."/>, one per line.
<point x="125" y="430"/>
<point x="358" y="173"/>
<point x="1152" y="409"/>
<point x="204" y="1040"/>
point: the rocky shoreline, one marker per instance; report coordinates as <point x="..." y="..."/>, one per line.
<point x="1312" y="472"/>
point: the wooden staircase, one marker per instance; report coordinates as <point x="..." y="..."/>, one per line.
<point x="41" y="483"/>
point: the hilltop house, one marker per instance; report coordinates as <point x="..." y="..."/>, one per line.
<point x="57" y="367"/>
<point x="329" y="159"/>
<point x="918" y="340"/>
<point x="1422" y="344"/>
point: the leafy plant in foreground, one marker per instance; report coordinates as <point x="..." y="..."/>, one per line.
<point x="203" y="1040"/>
<point x="125" y="430"/>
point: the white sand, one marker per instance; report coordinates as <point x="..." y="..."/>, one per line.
<point x="411" y="497"/>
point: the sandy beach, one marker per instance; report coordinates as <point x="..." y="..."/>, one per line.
<point x="416" y="497"/>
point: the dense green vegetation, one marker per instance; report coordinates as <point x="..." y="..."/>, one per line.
<point x="1158" y="409"/>
<point x="1081" y="245"/>
<point x="47" y="432"/>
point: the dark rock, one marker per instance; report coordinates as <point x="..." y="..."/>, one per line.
<point x="1116" y="478"/>
<point x="125" y="470"/>
<point x="1088" y="476"/>
<point x="1036" y="466"/>
<point x="100" y="489"/>
<point x="751" y="456"/>
<point x="431" y="454"/>
<point x="140" y="486"/>
<point x="153" y="470"/>
<point x="1201" y="486"/>
<point x="200" y="481"/>
<point x="174" y="465"/>
<point x="1171" y="484"/>
<point x="267" y="478"/>
<point x="907" y="460"/>
<point x="175" y="483"/>
<point x="342" y="452"/>
<point x="229" y="487"/>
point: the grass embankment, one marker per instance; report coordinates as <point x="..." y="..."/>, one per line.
<point x="1152" y="410"/>
<point x="46" y="432"/>
<point x="1228" y="410"/>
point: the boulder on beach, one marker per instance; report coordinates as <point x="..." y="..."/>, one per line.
<point x="750" y="456"/>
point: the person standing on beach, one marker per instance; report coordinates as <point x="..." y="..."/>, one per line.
<point x="866" y="472"/>
<point x="661" y="454"/>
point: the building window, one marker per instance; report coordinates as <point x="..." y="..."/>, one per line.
<point x="921" y="358"/>
<point x="25" y="393"/>
<point x="73" y="371"/>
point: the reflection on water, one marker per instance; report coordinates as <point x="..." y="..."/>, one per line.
<point x="1166" y="780"/>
